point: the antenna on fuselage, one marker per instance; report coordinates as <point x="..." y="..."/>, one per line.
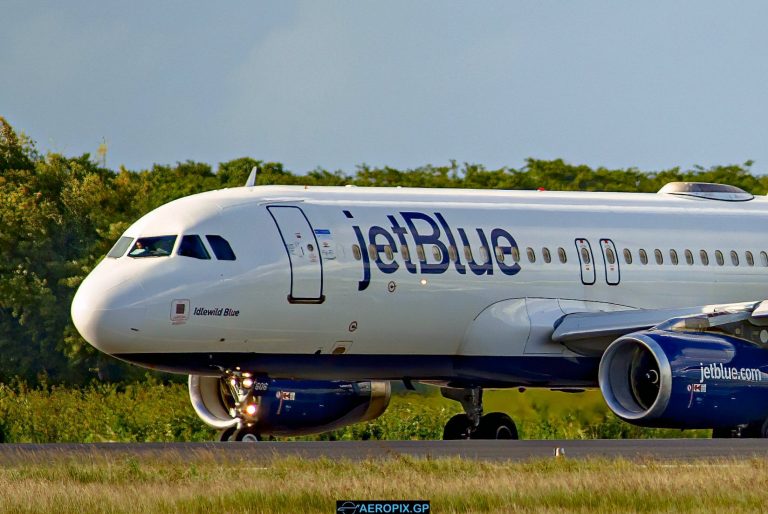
<point x="252" y="177"/>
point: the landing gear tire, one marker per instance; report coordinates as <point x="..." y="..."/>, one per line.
<point x="226" y="434"/>
<point x="472" y="424"/>
<point x="496" y="425"/>
<point x="458" y="427"/>
<point x="246" y="435"/>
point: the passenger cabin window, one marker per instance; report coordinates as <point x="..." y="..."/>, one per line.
<point x="389" y="253"/>
<point x="704" y="257"/>
<point x="673" y="257"/>
<point x="689" y="257"/>
<point x="405" y="252"/>
<point x="643" y="256"/>
<point x="499" y="254"/>
<point x="561" y="254"/>
<point x="734" y="258"/>
<point x="221" y="248"/>
<point x="468" y="253"/>
<point x="356" y="253"/>
<point x="192" y="246"/>
<point x="120" y="247"/>
<point x="436" y="253"/>
<point x="610" y="256"/>
<point x="585" y="256"/>
<point x="160" y="246"/>
<point x="546" y="255"/>
<point x="764" y="258"/>
<point x="484" y="257"/>
<point x="658" y="256"/>
<point x="372" y="252"/>
<point x="719" y="257"/>
<point x="452" y="254"/>
<point x="627" y="256"/>
<point x="515" y="254"/>
<point x="531" y="254"/>
<point x="420" y="253"/>
<point x="750" y="258"/>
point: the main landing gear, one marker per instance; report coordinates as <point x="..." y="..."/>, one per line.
<point x="758" y="430"/>
<point x="473" y="424"/>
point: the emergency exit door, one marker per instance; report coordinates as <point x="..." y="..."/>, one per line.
<point x="303" y="254"/>
<point x="586" y="262"/>
<point x="611" y="261"/>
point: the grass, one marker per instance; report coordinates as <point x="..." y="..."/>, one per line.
<point x="198" y="483"/>
<point x="452" y="485"/>
<point x="539" y="414"/>
<point x="153" y="411"/>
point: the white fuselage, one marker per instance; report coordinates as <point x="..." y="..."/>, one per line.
<point x="321" y="274"/>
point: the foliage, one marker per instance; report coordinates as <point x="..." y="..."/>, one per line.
<point x="138" y="412"/>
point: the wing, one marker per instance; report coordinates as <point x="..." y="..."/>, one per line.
<point x="590" y="333"/>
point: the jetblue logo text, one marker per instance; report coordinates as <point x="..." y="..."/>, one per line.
<point x="428" y="238"/>
<point x="382" y="507"/>
<point x="721" y="372"/>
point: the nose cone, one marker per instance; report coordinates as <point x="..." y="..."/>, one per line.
<point x="108" y="311"/>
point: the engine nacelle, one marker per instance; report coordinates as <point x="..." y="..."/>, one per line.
<point x="674" y="379"/>
<point x="289" y="408"/>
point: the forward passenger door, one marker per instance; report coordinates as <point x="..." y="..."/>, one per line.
<point x="303" y="250"/>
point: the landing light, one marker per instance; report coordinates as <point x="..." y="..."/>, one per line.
<point x="250" y="409"/>
<point x="247" y="383"/>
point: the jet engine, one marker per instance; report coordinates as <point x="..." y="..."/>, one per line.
<point x="703" y="371"/>
<point x="284" y="407"/>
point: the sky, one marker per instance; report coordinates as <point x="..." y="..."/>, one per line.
<point x="336" y="84"/>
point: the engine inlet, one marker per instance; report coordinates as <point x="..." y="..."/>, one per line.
<point x="635" y="378"/>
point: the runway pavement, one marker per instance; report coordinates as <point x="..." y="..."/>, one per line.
<point x="263" y="452"/>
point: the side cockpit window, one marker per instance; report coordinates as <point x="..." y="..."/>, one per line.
<point x="120" y="247"/>
<point x="221" y="248"/>
<point x="192" y="246"/>
<point x="159" y="246"/>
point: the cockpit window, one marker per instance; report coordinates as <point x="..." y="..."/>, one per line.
<point x="192" y="246"/>
<point x="120" y="247"/>
<point x="221" y="248"/>
<point x="160" y="246"/>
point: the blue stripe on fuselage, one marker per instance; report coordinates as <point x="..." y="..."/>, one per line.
<point x="484" y="371"/>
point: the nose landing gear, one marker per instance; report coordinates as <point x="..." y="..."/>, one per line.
<point x="244" y="406"/>
<point x="473" y="424"/>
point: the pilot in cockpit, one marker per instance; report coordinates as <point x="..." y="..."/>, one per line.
<point x="138" y="250"/>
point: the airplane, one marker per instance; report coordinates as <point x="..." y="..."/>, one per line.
<point x="293" y="308"/>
